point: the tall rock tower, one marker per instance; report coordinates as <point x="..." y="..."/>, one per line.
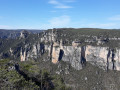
<point x="24" y="34"/>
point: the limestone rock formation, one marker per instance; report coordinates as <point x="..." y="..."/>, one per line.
<point x="24" y="34"/>
<point x="77" y="55"/>
<point x="32" y="52"/>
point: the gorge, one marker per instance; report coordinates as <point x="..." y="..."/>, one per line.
<point x="84" y="58"/>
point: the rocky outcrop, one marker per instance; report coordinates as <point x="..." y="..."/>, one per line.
<point x="34" y="52"/>
<point x="104" y="57"/>
<point x="55" y="55"/>
<point x="22" y="55"/>
<point x="73" y="56"/>
<point x="24" y="34"/>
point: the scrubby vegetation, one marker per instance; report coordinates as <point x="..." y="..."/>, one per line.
<point x="11" y="79"/>
<point x="89" y="36"/>
<point x="28" y="75"/>
<point x="42" y="76"/>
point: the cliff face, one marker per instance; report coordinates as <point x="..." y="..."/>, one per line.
<point x="104" y="57"/>
<point x="77" y="56"/>
<point x="73" y="56"/>
<point x="36" y="51"/>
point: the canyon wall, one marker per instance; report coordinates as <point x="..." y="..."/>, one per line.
<point x="104" y="57"/>
<point x="34" y="52"/>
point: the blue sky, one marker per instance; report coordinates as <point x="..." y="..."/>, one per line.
<point x="44" y="14"/>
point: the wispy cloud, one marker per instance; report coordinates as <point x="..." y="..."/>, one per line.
<point x="57" y="22"/>
<point x="53" y="2"/>
<point x="105" y="25"/>
<point x="63" y="6"/>
<point x="59" y="4"/>
<point x="102" y="25"/>
<point x="65" y="21"/>
<point x="69" y="1"/>
<point x="60" y="21"/>
<point x="115" y="18"/>
<point x="53" y="11"/>
<point x="5" y="27"/>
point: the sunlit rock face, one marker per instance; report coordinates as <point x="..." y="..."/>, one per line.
<point x="97" y="55"/>
<point x="22" y="56"/>
<point x="104" y="57"/>
<point x="68" y="54"/>
<point x="73" y="56"/>
<point x="35" y="51"/>
<point x="117" y="59"/>
<point x="55" y="55"/>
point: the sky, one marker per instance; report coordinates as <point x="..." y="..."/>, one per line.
<point x="46" y="14"/>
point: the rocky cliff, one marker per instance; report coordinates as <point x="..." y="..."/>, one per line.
<point x="75" y="54"/>
<point x="85" y="59"/>
<point x="103" y="57"/>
